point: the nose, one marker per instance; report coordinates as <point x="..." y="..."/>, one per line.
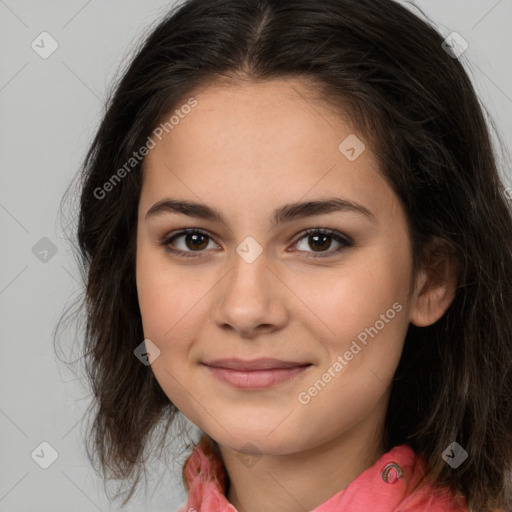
<point x="251" y="298"/>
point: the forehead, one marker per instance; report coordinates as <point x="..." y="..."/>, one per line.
<point x="264" y="141"/>
<point x="243" y="119"/>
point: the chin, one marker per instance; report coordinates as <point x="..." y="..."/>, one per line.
<point x="257" y="441"/>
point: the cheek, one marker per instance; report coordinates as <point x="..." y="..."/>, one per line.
<point x="172" y="303"/>
<point x="348" y="301"/>
<point x="159" y="304"/>
<point x="154" y="300"/>
<point x="360" y="314"/>
<point x="167" y="317"/>
<point x="161" y="293"/>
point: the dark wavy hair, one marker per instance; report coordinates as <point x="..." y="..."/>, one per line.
<point x="385" y="68"/>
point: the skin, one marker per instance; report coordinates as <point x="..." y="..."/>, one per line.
<point x="246" y="150"/>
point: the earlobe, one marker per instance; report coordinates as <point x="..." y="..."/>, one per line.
<point x="435" y="285"/>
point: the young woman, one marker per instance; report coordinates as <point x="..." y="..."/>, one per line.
<point x="293" y="209"/>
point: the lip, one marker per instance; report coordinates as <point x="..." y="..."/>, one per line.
<point x="255" y="374"/>
<point x="263" y="363"/>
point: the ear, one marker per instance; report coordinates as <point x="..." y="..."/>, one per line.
<point x="436" y="283"/>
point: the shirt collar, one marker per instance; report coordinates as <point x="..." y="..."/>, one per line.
<point x="386" y="486"/>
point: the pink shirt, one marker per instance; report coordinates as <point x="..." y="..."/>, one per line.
<point x="387" y="486"/>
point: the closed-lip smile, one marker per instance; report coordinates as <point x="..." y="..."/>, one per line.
<point x="255" y="373"/>
<point x="253" y="364"/>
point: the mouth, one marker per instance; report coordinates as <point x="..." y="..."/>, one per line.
<point x="254" y="364"/>
<point x="256" y="373"/>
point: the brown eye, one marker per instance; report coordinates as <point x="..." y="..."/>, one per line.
<point x="192" y="242"/>
<point x="187" y="242"/>
<point x="320" y="241"/>
<point x="195" y="241"/>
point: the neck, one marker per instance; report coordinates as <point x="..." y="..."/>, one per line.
<point x="303" y="480"/>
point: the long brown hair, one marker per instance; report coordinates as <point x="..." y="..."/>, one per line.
<point x="414" y="104"/>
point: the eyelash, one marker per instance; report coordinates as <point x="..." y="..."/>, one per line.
<point x="345" y="241"/>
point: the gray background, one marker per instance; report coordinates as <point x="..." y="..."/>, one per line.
<point x="50" y="109"/>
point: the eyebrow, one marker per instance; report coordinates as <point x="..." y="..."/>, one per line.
<point x="285" y="213"/>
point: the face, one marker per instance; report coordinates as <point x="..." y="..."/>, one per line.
<point x="251" y="283"/>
